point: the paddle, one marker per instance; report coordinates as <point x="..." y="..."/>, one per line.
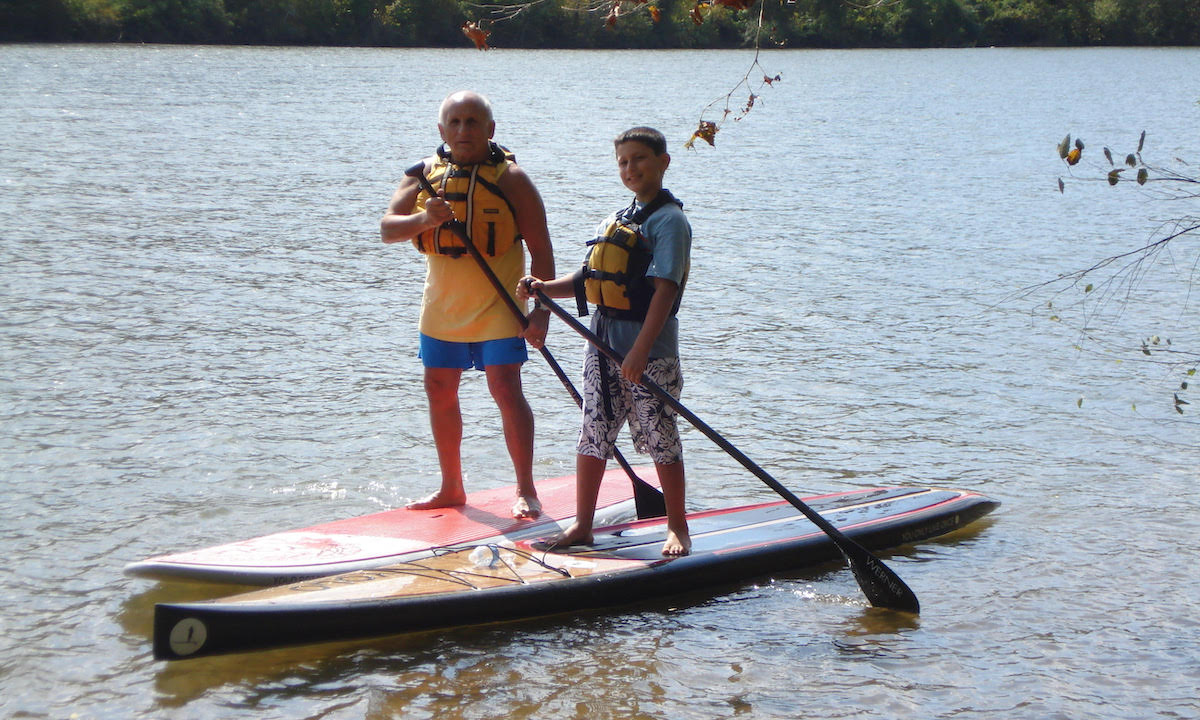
<point x="647" y="499"/>
<point x="882" y="587"/>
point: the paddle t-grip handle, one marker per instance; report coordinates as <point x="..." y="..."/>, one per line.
<point x="418" y="171"/>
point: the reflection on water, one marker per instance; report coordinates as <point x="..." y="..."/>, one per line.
<point x="203" y="340"/>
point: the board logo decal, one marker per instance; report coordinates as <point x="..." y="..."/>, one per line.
<point x="188" y="636"/>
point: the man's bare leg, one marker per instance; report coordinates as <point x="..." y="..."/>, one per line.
<point x="504" y="382"/>
<point x="445" y="419"/>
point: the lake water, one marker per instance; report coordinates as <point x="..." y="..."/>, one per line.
<point x="203" y="340"/>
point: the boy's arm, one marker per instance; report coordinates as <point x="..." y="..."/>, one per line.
<point x="556" y="288"/>
<point x="665" y="292"/>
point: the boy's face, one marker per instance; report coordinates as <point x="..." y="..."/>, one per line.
<point x="641" y="170"/>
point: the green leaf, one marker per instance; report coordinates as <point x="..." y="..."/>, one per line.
<point x="1064" y="147"/>
<point x="1191" y="372"/>
<point x="1079" y="403"/>
<point x="1115" y="175"/>
<point x="1142" y="176"/>
<point x="1088" y="289"/>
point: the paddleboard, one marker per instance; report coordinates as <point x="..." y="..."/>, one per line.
<point x="489" y="582"/>
<point x="390" y="536"/>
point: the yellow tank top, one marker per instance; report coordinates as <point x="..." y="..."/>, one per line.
<point x="460" y="304"/>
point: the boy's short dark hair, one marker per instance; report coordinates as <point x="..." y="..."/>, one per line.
<point x="647" y="136"/>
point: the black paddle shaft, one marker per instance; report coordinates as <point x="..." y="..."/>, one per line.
<point x="879" y="583"/>
<point x="648" y="500"/>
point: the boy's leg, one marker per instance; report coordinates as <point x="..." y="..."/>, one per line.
<point x="657" y="432"/>
<point x="671" y="477"/>
<point x="589" y="471"/>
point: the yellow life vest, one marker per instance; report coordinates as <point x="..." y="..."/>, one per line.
<point x="613" y="276"/>
<point x="474" y="194"/>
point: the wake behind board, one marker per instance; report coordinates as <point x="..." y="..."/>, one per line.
<point x="491" y="582"/>
<point x="388" y="537"/>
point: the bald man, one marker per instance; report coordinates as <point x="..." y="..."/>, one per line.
<point x="464" y="322"/>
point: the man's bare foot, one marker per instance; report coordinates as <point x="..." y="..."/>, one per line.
<point x="677" y="545"/>
<point x="438" y="500"/>
<point x="527" y="508"/>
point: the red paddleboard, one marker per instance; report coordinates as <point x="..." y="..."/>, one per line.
<point x="389" y="537"/>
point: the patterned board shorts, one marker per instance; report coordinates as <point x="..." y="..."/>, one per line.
<point x="609" y="400"/>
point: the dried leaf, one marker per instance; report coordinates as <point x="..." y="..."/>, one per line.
<point x="613" y="14"/>
<point x="1064" y="147"/>
<point x="696" y="16"/>
<point x="1141" y="141"/>
<point x="1078" y="144"/>
<point x="1073" y="156"/>
<point x="1115" y="175"/>
<point x="1060" y="185"/>
<point x="655" y="13"/>
<point x="477" y="34"/>
<point x="707" y="131"/>
<point x="735" y="4"/>
<point x="1108" y="154"/>
<point x="1143" y="176"/>
<point x="1130" y="160"/>
<point x="771" y="80"/>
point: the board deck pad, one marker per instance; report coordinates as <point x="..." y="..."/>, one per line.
<point x="491" y="582"/>
<point x="388" y="536"/>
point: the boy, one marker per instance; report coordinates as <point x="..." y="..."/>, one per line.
<point x="635" y="274"/>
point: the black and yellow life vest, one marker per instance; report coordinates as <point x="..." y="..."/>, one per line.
<point x="474" y="194"/>
<point x="613" y="276"/>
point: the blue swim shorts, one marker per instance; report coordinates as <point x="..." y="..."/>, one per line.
<point x="461" y="355"/>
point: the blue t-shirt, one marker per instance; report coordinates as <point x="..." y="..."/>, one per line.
<point x="669" y="235"/>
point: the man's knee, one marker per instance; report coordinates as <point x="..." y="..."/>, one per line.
<point x="504" y="382"/>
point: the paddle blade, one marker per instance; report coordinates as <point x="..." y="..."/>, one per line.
<point x="647" y="500"/>
<point x="882" y="587"/>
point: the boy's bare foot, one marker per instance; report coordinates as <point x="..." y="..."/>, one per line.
<point x="527" y="508"/>
<point x="677" y="545"/>
<point x="438" y="500"/>
<point x="573" y="535"/>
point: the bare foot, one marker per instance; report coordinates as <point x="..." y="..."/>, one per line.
<point x="677" y="544"/>
<point x="527" y="508"/>
<point x="438" y="500"/>
<point x="573" y="535"/>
